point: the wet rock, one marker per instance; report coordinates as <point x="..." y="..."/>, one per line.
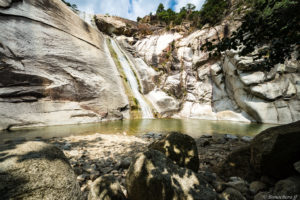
<point x="106" y="188"/>
<point x="232" y="194"/>
<point x="36" y="170"/>
<point x="289" y="186"/>
<point x="152" y="176"/>
<point x="275" y="150"/>
<point x="180" y="148"/>
<point x="257" y="186"/>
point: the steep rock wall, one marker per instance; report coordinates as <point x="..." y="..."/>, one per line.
<point x="54" y="68"/>
<point x="220" y="89"/>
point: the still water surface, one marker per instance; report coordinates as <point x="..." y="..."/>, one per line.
<point x="192" y="127"/>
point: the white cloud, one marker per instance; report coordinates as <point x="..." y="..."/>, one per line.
<point x="182" y="3"/>
<point x="139" y="8"/>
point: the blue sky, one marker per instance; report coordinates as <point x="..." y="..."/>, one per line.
<point x="130" y="9"/>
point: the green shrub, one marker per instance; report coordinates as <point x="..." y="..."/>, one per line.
<point x="275" y="23"/>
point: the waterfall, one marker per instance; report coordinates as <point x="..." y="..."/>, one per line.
<point x="133" y="82"/>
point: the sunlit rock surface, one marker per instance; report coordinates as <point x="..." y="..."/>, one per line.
<point x="227" y="88"/>
<point x="55" y="68"/>
<point x="36" y="170"/>
<point x="180" y="148"/>
<point x="152" y="176"/>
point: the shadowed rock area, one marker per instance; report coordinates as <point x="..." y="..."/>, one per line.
<point x="274" y="152"/>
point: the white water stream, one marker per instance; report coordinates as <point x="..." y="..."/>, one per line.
<point x="133" y="82"/>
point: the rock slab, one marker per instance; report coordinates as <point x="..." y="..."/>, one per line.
<point x="180" y="148"/>
<point x="152" y="176"/>
<point x="36" y="170"/>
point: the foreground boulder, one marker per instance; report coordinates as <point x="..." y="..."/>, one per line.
<point x="237" y="163"/>
<point x="180" y="148"/>
<point x="36" y="170"/>
<point x="289" y="186"/>
<point x="106" y="188"/>
<point x="55" y="68"/>
<point x="152" y="176"/>
<point x="275" y="150"/>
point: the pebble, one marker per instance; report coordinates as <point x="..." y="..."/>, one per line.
<point x="230" y="137"/>
<point x="246" y="138"/>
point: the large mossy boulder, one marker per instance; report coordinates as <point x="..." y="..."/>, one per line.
<point x="275" y="150"/>
<point x="153" y="176"/>
<point x="36" y="170"/>
<point x="180" y="148"/>
<point x="106" y="188"/>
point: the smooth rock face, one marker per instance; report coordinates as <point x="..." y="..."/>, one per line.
<point x="277" y="146"/>
<point x="55" y="68"/>
<point x="106" y="188"/>
<point x="36" y="170"/>
<point x="152" y="176"/>
<point x="267" y="98"/>
<point x="227" y="89"/>
<point x="164" y="104"/>
<point x="180" y="148"/>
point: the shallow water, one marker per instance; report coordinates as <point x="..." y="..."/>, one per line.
<point x="192" y="127"/>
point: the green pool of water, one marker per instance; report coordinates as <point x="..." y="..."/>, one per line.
<point x="192" y="127"/>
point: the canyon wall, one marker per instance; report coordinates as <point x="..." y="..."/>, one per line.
<point x="54" y="68"/>
<point x="224" y="88"/>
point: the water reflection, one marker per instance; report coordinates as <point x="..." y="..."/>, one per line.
<point x="192" y="127"/>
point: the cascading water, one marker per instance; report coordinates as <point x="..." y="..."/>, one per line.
<point x="133" y="82"/>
